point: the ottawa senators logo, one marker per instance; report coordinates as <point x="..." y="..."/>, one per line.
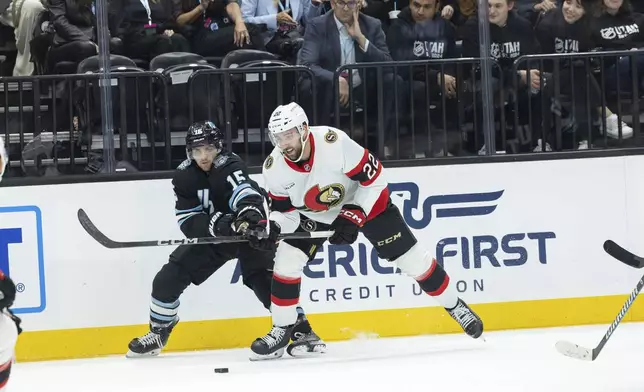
<point x="269" y="162"/>
<point x="316" y="199"/>
<point x="331" y="136"/>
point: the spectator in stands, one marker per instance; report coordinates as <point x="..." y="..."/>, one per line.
<point x="511" y="36"/>
<point x="22" y="15"/>
<point x="617" y="27"/>
<point x="285" y="21"/>
<point x="346" y="36"/>
<point x="216" y="27"/>
<point x="75" y="37"/>
<point x="458" y="11"/>
<point x="147" y="28"/>
<point x="420" y="33"/>
<point x="567" y="30"/>
<point x="533" y="9"/>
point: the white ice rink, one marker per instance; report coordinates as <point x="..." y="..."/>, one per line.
<point x="516" y="361"/>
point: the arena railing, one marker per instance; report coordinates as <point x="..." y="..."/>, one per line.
<point x="409" y="115"/>
<point x="575" y="95"/>
<point x="52" y="123"/>
<point x="240" y="100"/>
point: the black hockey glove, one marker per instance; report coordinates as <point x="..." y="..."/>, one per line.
<point x="347" y="224"/>
<point x="247" y="217"/>
<point x="260" y="240"/>
<point x="221" y="224"/>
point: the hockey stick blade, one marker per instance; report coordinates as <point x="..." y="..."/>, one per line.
<point x="102" y="239"/>
<point x="623" y="255"/>
<point x="578" y="352"/>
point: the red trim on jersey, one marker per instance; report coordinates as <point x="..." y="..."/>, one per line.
<point x="284" y="302"/>
<point x="380" y="205"/>
<point x="369" y="182"/>
<point x="300" y="166"/>
<point x="5" y="371"/>
<point x="275" y="197"/>
<point x="358" y="168"/>
<point x="429" y="273"/>
<point x="286" y="279"/>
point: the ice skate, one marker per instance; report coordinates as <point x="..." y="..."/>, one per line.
<point x="271" y="345"/>
<point x="152" y="342"/>
<point x="305" y="342"/>
<point x="467" y="319"/>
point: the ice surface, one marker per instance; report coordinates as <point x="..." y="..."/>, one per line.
<point x="517" y="361"/>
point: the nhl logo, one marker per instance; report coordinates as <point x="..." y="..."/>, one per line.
<point x="307" y="167"/>
<point x="309" y="225"/>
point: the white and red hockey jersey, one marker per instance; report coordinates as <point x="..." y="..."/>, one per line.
<point x="338" y="172"/>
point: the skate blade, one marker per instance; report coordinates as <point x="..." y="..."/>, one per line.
<point x="132" y="354"/>
<point x="305" y="350"/>
<point x="259" y="357"/>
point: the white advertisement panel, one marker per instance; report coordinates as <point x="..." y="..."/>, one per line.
<point x="503" y="231"/>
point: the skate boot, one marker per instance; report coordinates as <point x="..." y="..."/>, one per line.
<point x="271" y="345"/>
<point x="468" y="320"/>
<point x="305" y="342"/>
<point x="152" y="342"/>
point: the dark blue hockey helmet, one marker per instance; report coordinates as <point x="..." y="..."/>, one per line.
<point x="204" y="133"/>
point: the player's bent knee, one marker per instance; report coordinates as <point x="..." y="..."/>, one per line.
<point x="289" y="261"/>
<point x="169" y="282"/>
<point x="419" y="264"/>
<point x="415" y="262"/>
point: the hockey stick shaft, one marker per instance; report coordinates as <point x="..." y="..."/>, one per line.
<point x="102" y="239"/>
<point x="623" y="255"/>
<point x="620" y="316"/>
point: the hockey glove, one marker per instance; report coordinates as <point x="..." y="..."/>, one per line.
<point x="259" y="239"/>
<point x="221" y="224"/>
<point x="247" y="217"/>
<point x="347" y="224"/>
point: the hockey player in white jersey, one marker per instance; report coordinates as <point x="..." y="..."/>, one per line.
<point x="318" y="178"/>
<point x="9" y="329"/>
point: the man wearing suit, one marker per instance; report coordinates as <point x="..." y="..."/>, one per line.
<point x="346" y="36"/>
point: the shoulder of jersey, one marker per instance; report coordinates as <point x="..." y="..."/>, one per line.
<point x="225" y="159"/>
<point x="273" y="159"/>
<point x="329" y="135"/>
<point x="184" y="165"/>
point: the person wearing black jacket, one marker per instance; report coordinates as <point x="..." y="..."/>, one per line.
<point x="511" y="37"/>
<point x="567" y="30"/>
<point x="617" y="27"/>
<point x="75" y="26"/>
<point x="216" y="27"/>
<point x="420" y="33"/>
<point x="146" y="28"/>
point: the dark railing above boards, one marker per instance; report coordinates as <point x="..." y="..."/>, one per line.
<point x="579" y="101"/>
<point x="410" y="109"/>
<point x="240" y="100"/>
<point x="52" y="123"/>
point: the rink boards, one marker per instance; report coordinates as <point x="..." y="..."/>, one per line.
<point x="521" y="241"/>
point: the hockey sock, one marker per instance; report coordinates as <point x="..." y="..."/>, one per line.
<point x="284" y="299"/>
<point x="435" y="282"/>
<point x="163" y="313"/>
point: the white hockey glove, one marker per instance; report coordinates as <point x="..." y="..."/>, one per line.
<point x="4" y="159"/>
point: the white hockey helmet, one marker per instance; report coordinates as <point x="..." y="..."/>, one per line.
<point x="286" y="117"/>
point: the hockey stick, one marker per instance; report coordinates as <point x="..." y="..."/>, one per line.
<point x="576" y="351"/>
<point x="623" y="255"/>
<point x="102" y="239"/>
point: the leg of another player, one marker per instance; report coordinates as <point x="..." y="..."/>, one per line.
<point x="187" y="264"/>
<point x="289" y="322"/>
<point x="393" y="240"/>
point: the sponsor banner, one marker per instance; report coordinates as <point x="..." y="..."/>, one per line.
<point x="505" y="232"/>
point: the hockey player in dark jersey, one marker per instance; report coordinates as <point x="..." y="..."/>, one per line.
<point x="214" y="197"/>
